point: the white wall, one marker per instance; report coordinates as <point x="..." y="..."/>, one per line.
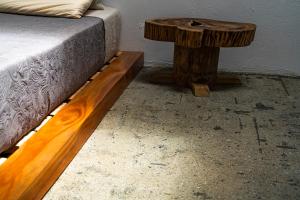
<point x="276" y="49"/>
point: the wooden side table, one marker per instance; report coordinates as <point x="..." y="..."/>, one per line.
<point x="197" y="47"/>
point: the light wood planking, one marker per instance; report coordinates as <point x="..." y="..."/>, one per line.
<point x="79" y="91"/>
<point x="35" y="166"/>
<point x="112" y="60"/>
<point x="58" y="109"/>
<point x="95" y="76"/>
<point x="2" y="160"/>
<point x="25" y="138"/>
<point x="43" y="123"/>
<point x="104" y="67"/>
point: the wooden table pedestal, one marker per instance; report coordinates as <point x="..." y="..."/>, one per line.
<point x="197" y="49"/>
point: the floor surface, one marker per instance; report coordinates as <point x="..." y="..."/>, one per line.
<point x="160" y="142"/>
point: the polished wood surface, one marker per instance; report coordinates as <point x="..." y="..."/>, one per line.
<point x="36" y="165"/>
<point x="197" y="45"/>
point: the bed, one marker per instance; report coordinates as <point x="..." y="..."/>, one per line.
<point x="43" y="60"/>
<point x="70" y="65"/>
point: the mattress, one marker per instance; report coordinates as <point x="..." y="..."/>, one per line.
<point x="43" y="60"/>
<point x="112" y="24"/>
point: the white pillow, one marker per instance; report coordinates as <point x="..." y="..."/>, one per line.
<point x="57" y="8"/>
<point x="97" y="5"/>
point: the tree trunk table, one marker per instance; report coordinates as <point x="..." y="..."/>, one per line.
<point x="197" y="48"/>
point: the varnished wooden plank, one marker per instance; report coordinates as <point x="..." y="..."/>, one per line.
<point x="43" y="123"/>
<point x="25" y="138"/>
<point x="112" y="60"/>
<point x="2" y="160"/>
<point x="58" y="109"/>
<point x="104" y="67"/>
<point x="95" y="76"/>
<point x="78" y="91"/>
<point x="33" y="169"/>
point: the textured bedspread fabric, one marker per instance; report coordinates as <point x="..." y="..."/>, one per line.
<point x="42" y="62"/>
<point x="112" y="24"/>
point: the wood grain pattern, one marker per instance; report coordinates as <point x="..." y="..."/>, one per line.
<point x="196" y="33"/>
<point x="195" y="65"/>
<point x="36" y="165"/>
<point x="197" y="45"/>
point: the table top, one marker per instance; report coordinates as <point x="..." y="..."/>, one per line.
<point x="196" y="33"/>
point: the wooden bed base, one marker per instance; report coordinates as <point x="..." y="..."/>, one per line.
<point x="31" y="170"/>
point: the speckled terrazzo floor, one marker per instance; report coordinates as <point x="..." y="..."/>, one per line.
<point x="160" y="142"/>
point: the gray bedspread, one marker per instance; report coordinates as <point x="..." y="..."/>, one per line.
<point x="43" y="61"/>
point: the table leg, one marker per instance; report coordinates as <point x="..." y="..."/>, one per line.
<point x="196" y="68"/>
<point x="196" y="65"/>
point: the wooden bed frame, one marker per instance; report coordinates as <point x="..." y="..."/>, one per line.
<point x="35" y="165"/>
